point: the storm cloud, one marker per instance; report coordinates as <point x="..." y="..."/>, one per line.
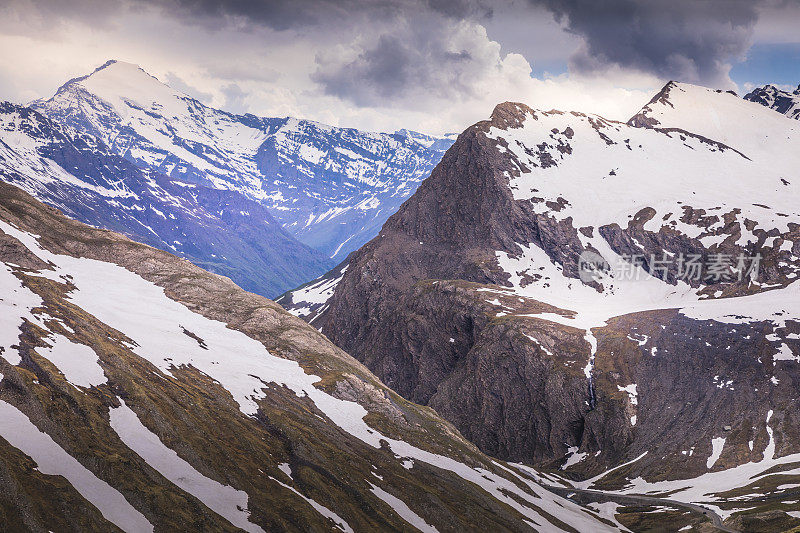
<point x="395" y="43"/>
<point x="411" y="59"/>
<point x="382" y="64"/>
<point x="690" y="40"/>
<point x="294" y="14"/>
<point x="687" y="40"/>
<point x="400" y="46"/>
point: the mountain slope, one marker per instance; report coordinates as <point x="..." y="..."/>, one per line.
<point x="783" y="102"/>
<point x="140" y="393"/>
<point x="473" y="298"/>
<point x="332" y="188"/>
<point x="752" y="129"/>
<point x="310" y="300"/>
<point x="220" y="230"/>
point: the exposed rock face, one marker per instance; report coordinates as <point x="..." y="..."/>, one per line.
<point x="783" y="102"/>
<point x="171" y="400"/>
<point x="220" y="230"/>
<point x="470" y="299"/>
<point x="332" y="188"/>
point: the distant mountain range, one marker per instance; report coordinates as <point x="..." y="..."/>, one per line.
<point x="781" y="101"/>
<point x="220" y="230"/>
<point x="269" y="202"/>
<point x="332" y="188"/>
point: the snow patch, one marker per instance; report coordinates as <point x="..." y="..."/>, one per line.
<point x="52" y="460"/>
<point x="226" y="501"/>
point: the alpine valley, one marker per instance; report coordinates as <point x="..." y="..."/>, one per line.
<point x="628" y="377"/>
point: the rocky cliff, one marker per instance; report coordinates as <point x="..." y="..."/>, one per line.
<point x="641" y="373"/>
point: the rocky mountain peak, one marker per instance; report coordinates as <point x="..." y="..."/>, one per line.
<point x="471" y="300"/>
<point x="641" y="119"/>
<point x="510" y="115"/>
<point x="784" y="102"/>
<point x="663" y="95"/>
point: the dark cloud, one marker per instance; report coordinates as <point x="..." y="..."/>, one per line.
<point x="300" y="14"/>
<point x="688" y="40"/>
<point x="391" y="49"/>
<point x="462" y="9"/>
<point x="437" y="57"/>
<point x="275" y="14"/>
<point x="380" y="72"/>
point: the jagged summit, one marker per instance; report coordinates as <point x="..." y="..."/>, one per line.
<point x="510" y="115"/>
<point x="778" y="100"/>
<point x="472" y="301"/>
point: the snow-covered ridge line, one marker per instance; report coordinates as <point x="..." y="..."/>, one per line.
<point x="331" y="187"/>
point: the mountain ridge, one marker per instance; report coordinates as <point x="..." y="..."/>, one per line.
<point x="251" y="421"/>
<point x="219" y="229"/>
<point x="472" y="299"/>
<point x="330" y="187"/>
<point x="779" y="100"/>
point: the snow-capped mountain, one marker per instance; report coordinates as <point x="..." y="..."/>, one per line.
<point x="220" y="230"/>
<point x="781" y="101"/>
<point x="330" y="187"/>
<point x="437" y="143"/>
<point x="139" y="393"/>
<point x="617" y="301"/>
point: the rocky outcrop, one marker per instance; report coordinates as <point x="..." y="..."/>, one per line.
<point x="783" y="102"/>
